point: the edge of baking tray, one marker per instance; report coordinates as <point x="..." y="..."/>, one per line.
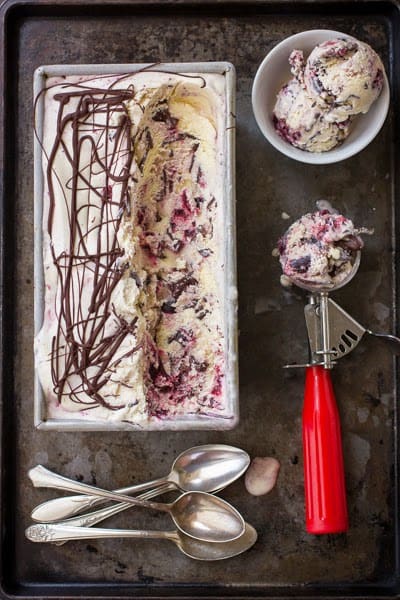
<point x="229" y="218"/>
<point x="10" y="587"/>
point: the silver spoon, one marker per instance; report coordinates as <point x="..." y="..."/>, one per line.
<point x="199" y="550"/>
<point x="207" y="468"/>
<point x="58" y="509"/>
<point x="198" y="514"/>
<point x="96" y="516"/>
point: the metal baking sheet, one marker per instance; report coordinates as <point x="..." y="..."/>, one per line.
<point x="285" y="562"/>
<point x="229" y="284"/>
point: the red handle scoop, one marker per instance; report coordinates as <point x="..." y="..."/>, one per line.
<point x="325" y="491"/>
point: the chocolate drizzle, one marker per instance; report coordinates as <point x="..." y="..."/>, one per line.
<point x="85" y="351"/>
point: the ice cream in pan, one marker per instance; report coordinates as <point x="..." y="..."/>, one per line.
<point x="133" y="316"/>
<point x="340" y="79"/>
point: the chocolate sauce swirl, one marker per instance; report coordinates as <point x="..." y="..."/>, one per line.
<point x="85" y="346"/>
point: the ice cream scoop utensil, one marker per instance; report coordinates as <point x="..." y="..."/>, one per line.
<point x="207" y="468"/>
<point x="199" y="550"/>
<point x="198" y="514"/>
<point x="332" y="334"/>
<point x="323" y="461"/>
<point x="324" y="483"/>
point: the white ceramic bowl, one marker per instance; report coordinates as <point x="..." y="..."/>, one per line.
<point x="274" y="72"/>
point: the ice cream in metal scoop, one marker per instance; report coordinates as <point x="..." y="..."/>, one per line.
<point x="320" y="251"/>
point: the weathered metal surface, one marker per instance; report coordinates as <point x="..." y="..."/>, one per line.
<point x="272" y="330"/>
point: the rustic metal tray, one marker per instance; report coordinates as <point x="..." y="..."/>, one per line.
<point x="285" y="562"/>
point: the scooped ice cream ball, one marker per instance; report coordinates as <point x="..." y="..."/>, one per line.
<point x="261" y="475"/>
<point x="340" y="79"/>
<point x="344" y="76"/>
<point x="302" y="123"/>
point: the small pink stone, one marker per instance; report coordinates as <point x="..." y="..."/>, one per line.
<point x="261" y="476"/>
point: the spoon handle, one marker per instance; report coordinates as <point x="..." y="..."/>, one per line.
<point x="58" y="509"/>
<point x="42" y="477"/>
<point x="45" y="532"/>
<point x="96" y="516"/>
<point x="324" y="481"/>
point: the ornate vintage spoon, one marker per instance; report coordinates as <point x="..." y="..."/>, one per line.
<point x="207" y="468"/>
<point x="198" y="514"/>
<point x="199" y="550"/>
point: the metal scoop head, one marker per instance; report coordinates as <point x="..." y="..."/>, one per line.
<point x="319" y="330"/>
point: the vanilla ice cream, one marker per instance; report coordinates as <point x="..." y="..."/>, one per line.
<point x="340" y="79"/>
<point x="345" y="76"/>
<point x="302" y="123"/>
<point x="133" y="325"/>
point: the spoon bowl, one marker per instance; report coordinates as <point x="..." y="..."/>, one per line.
<point x="209" y="551"/>
<point x="208" y="468"/>
<point x="216" y="521"/>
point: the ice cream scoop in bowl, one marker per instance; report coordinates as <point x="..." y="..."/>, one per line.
<point x="323" y="127"/>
